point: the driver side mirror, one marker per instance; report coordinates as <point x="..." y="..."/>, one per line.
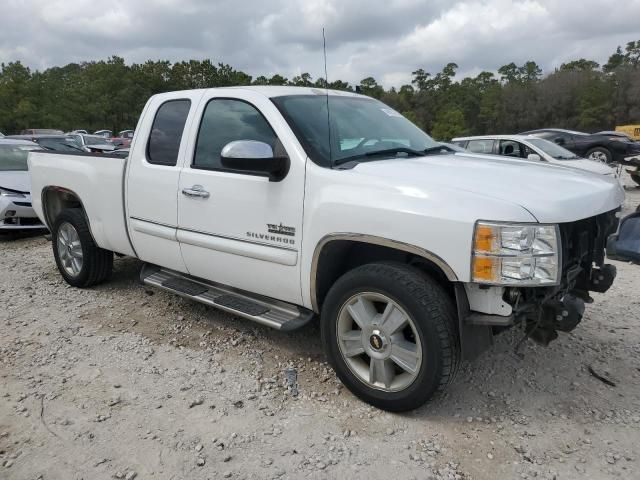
<point x="534" y="156"/>
<point x="255" y="157"/>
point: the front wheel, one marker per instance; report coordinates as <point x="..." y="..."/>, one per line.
<point x="80" y="261"/>
<point x="389" y="332"/>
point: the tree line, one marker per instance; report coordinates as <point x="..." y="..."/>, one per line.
<point x="580" y="94"/>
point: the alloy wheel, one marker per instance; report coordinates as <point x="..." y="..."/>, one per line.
<point x="598" y="157"/>
<point x="69" y="249"/>
<point x="379" y="342"/>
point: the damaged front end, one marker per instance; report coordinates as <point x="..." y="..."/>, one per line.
<point x="584" y="270"/>
<point x="546" y="310"/>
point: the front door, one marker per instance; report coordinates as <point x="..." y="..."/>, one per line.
<point x="240" y="229"/>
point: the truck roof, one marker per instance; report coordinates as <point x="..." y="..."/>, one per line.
<point x="496" y="137"/>
<point x="272" y="91"/>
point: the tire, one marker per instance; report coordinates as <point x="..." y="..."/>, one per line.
<point x="80" y="265"/>
<point x="600" y="154"/>
<point x="430" y="332"/>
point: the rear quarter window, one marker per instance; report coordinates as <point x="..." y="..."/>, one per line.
<point x="166" y="132"/>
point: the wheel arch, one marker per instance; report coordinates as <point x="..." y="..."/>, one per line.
<point x="337" y="253"/>
<point x="55" y="200"/>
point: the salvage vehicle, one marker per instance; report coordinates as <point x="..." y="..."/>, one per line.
<point x="533" y="148"/>
<point x="16" y="212"/>
<point x="58" y="143"/>
<point x="92" y="143"/>
<point x="600" y="147"/>
<point x="104" y="133"/>
<point x="285" y="204"/>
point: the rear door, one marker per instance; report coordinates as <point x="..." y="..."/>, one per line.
<point x="244" y="231"/>
<point x="152" y="178"/>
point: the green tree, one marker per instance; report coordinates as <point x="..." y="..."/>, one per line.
<point x="581" y="65"/>
<point x="369" y="86"/>
<point x="302" y="80"/>
<point x="449" y="124"/>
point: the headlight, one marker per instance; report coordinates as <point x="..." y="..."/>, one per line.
<point x="509" y="254"/>
<point x="9" y="193"/>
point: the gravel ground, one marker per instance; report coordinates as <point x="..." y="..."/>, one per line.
<point x="120" y="381"/>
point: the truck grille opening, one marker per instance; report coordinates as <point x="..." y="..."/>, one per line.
<point x="584" y="242"/>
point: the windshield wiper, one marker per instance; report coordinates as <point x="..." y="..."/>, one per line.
<point x="376" y="153"/>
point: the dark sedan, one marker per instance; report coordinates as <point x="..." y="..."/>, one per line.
<point x="58" y="143"/>
<point x="602" y="146"/>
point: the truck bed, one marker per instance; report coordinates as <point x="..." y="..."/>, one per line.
<point x="98" y="180"/>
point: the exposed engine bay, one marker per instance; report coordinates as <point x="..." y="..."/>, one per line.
<point x="545" y="311"/>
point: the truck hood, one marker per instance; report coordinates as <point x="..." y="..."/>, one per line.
<point x="587" y="165"/>
<point x="550" y="193"/>
<point x="18" y="181"/>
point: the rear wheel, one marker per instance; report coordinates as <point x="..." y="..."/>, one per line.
<point x="599" y="154"/>
<point x="80" y="261"/>
<point x="389" y="332"/>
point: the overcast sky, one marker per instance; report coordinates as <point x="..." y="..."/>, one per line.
<point x="384" y="39"/>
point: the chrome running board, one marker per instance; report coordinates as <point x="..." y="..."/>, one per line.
<point x="266" y="311"/>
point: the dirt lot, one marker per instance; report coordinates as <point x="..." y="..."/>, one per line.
<point x="123" y="382"/>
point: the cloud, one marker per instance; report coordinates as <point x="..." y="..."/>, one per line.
<point x="387" y="40"/>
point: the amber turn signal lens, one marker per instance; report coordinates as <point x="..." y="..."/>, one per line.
<point x="485" y="269"/>
<point x="485" y="238"/>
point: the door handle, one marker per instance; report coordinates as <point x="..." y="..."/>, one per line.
<point x="195" y="191"/>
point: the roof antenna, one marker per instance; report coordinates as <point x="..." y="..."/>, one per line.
<point x="326" y="84"/>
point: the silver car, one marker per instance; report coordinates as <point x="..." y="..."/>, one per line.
<point x="16" y="212"/>
<point x="530" y="147"/>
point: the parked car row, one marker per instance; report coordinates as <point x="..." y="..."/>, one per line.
<point x="602" y="146"/>
<point x="16" y="211"/>
<point x="595" y="152"/>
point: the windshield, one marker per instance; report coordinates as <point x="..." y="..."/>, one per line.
<point x="360" y="127"/>
<point x="552" y="149"/>
<point x="60" y="144"/>
<point x="13" y="158"/>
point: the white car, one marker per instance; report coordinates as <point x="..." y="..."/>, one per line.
<point x="262" y="202"/>
<point x="530" y="147"/>
<point x="92" y="143"/>
<point x="16" y="212"/>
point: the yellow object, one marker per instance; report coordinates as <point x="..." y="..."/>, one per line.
<point x="485" y="268"/>
<point x="632" y="130"/>
<point x="486" y="238"/>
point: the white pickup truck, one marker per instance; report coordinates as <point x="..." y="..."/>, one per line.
<point x="284" y="204"/>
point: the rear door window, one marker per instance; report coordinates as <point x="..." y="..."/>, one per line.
<point x="166" y="132"/>
<point x="480" y="146"/>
